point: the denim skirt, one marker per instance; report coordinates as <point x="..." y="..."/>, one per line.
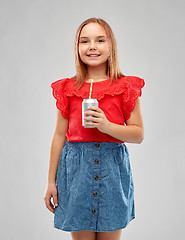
<point x="95" y="187"/>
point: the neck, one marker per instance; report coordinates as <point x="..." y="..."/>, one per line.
<point x="96" y="73"/>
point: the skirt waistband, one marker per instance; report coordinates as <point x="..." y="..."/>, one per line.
<point x="95" y="145"/>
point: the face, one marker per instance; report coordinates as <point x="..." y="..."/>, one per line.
<point x="93" y="40"/>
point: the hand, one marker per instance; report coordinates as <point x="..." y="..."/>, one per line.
<point x="51" y="192"/>
<point x="99" y="119"/>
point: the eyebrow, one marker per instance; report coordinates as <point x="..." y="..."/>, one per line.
<point x="87" y="37"/>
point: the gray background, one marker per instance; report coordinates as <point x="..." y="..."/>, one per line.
<point x="36" y="49"/>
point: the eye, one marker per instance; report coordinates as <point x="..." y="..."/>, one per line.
<point x="83" y="41"/>
<point x="101" y="40"/>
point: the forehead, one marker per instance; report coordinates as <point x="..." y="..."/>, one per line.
<point x="92" y="30"/>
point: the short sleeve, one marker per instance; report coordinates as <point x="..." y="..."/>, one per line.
<point x="58" y="91"/>
<point x="131" y="92"/>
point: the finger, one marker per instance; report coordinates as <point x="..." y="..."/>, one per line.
<point x="95" y="108"/>
<point x="51" y="207"/>
<point x="93" y="113"/>
<point x="91" y="119"/>
<point x="91" y="124"/>
<point x="55" y="200"/>
<point x="48" y="204"/>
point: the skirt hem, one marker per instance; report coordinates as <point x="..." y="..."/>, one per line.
<point x="66" y="229"/>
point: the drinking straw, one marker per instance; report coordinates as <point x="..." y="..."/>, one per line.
<point x="91" y="88"/>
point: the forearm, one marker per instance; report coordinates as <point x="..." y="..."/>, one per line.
<point x="57" y="145"/>
<point x="130" y="134"/>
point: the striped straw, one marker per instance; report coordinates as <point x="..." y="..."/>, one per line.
<point x="91" y="88"/>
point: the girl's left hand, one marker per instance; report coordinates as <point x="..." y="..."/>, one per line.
<point x="99" y="119"/>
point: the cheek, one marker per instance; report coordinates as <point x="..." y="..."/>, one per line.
<point x="82" y="50"/>
<point x="105" y="49"/>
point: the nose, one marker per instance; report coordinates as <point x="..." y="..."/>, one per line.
<point x="92" y="46"/>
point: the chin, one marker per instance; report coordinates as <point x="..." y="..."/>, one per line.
<point x="94" y="63"/>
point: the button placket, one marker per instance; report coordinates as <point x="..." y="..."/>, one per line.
<point x="96" y="184"/>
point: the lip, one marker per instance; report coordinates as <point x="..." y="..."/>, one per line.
<point x="96" y="55"/>
<point x="93" y="54"/>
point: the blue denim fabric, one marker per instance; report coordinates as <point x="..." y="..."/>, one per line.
<point x="95" y="187"/>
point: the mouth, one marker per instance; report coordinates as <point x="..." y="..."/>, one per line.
<point x="93" y="55"/>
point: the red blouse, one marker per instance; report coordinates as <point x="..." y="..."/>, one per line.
<point x="116" y="101"/>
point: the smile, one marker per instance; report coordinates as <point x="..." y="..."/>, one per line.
<point x="93" y="55"/>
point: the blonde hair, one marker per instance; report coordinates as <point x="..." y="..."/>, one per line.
<point x="112" y="69"/>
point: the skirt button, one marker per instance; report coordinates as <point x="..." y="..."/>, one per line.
<point x="96" y="177"/>
<point x="97" y="145"/>
<point x="95" y="194"/>
<point x="96" y="161"/>
<point x="93" y="211"/>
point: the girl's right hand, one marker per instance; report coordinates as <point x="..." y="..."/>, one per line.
<point x="51" y="192"/>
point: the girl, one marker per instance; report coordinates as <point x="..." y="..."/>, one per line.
<point x="90" y="178"/>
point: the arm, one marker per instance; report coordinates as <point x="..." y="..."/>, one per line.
<point x="57" y="145"/>
<point x="133" y="132"/>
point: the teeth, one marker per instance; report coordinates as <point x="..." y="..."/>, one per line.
<point x="93" y="55"/>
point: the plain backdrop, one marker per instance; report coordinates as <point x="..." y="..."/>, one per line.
<point x="37" y="48"/>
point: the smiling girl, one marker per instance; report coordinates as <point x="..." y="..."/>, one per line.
<point x="90" y="177"/>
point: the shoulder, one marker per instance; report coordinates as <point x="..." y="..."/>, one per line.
<point x="133" y="90"/>
<point x="59" y="82"/>
<point x="123" y="85"/>
<point x="133" y="81"/>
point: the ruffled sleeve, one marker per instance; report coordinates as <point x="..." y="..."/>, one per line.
<point x="131" y="92"/>
<point x="58" y="91"/>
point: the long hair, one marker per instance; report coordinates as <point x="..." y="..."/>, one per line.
<point x="112" y="66"/>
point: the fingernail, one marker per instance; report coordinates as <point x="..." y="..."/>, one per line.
<point x="56" y="204"/>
